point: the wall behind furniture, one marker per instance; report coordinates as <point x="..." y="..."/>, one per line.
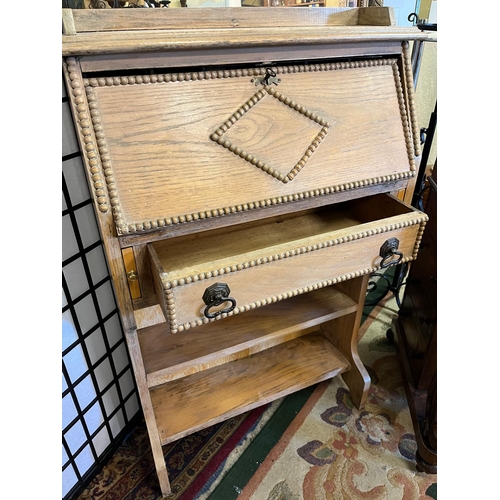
<point x="426" y="92"/>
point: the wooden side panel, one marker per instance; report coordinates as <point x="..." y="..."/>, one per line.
<point x="81" y="114"/>
<point x="343" y="334"/>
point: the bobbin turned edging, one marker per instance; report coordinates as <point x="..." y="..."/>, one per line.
<point x="99" y="160"/>
<point x="170" y="298"/>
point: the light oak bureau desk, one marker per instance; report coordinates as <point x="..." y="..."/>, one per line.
<point x="249" y="169"/>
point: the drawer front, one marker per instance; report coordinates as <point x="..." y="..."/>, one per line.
<point x="179" y="147"/>
<point x="276" y="277"/>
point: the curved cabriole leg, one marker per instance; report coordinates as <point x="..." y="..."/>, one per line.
<point x="343" y="334"/>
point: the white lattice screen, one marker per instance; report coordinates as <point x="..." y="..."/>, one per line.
<point x="99" y="398"/>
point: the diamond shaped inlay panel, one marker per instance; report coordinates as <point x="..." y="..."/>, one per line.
<point x="259" y="124"/>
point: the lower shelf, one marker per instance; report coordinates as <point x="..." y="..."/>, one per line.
<point x="194" y="402"/>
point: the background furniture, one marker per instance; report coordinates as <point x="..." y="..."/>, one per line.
<point x="249" y="170"/>
<point x="415" y="332"/>
<point x="415" y="328"/>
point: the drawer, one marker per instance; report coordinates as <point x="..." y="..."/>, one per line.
<point x="178" y="147"/>
<point x="212" y="275"/>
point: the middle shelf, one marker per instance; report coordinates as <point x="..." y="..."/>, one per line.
<point x="168" y="356"/>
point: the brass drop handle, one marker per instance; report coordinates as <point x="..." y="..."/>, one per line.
<point x="387" y="251"/>
<point x="214" y="296"/>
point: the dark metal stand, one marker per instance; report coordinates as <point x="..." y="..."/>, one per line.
<point x="426" y="138"/>
<point x="392" y="284"/>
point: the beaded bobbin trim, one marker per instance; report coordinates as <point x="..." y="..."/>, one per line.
<point x="146" y="225"/>
<point x="90" y="136"/>
<point x="169" y="285"/>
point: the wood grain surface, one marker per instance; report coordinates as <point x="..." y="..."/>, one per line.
<point x="167" y="356"/>
<point x="166" y="167"/>
<point x="270" y="262"/>
<point x="195" y="402"/>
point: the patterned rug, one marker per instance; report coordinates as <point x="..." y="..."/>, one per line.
<point x="311" y="445"/>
